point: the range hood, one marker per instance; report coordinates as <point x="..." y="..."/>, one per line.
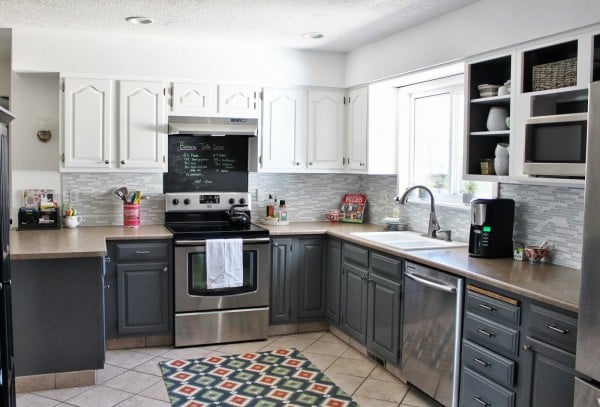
<point x="213" y="126"/>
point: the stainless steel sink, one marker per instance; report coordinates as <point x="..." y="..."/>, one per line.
<point x="406" y="240"/>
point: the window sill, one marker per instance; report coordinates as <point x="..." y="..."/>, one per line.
<point x="441" y="204"/>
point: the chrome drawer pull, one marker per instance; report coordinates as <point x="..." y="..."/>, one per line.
<point x="487" y="307"/>
<point x="142" y="252"/>
<point x="481" y="362"/>
<point x="481" y="401"/>
<point x="554" y="328"/>
<point x="486" y="333"/>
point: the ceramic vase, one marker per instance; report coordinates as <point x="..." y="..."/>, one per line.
<point x="501" y="160"/>
<point x="496" y="120"/>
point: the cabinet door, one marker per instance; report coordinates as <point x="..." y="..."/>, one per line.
<point x="383" y="330"/>
<point x="325" y="129"/>
<point x="238" y="101"/>
<point x="284" y="129"/>
<point x="281" y="281"/>
<point x="356" y="130"/>
<point x="311" y="278"/>
<point x="354" y="302"/>
<point x="87" y="124"/>
<point x="333" y="273"/>
<point x="549" y="373"/>
<point x="193" y="99"/>
<point x="142" y="130"/>
<point x="143" y="298"/>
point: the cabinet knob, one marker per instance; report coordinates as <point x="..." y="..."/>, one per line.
<point x="486" y="333"/>
<point x="310" y="163"/>
<point x="106" y="162"/>
<point x="481" y="401"/>
<point x="297" y="162"/>
<point x="123" y="162"/>
<point x="165" y="269"/>
<point x="362" y="164"/>
<point x="526" y="348"/>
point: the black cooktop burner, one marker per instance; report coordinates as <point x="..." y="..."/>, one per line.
<point x="215" y="230"/>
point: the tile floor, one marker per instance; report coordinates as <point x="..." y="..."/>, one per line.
<point x="132" y="377"/>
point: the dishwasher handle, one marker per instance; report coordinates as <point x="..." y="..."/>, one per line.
<point x="431" y="284"/>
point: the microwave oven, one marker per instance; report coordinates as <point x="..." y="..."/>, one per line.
<point x="555" y="146"/>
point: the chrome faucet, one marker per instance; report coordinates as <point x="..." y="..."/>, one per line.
<point x="434" y="226"/>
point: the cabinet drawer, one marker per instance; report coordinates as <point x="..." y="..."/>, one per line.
<point x="477" y="391"/>
<point x="142" y="251"/>
<point x="355" y="255"/>
<point x="386" y="266"/>
<point x="488" y="363"/>
<point x="492" y="308"/>
<point x="554" y="327"/>
<point x="491" y="334"/>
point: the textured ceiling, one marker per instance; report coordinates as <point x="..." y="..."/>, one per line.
<point x="346" y="24"/>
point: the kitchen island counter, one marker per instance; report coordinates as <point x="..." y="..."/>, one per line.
<point x="84" y="241"/>
<point x="549" y="283"/>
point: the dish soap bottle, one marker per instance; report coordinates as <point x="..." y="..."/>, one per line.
<point x="397" y="210"/>
<point x="282" y="211"/>
<point x="270" y="206"/>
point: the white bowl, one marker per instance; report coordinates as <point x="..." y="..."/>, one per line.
<point x="487" y="90"/>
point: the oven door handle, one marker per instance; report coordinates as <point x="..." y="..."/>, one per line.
<point x="203" y="242"/>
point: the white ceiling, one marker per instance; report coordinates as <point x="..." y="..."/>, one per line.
<point x="346" y="24"/>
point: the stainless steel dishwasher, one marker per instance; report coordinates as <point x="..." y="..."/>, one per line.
<point x="431" y="329"/>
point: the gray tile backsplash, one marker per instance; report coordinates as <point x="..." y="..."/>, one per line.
<point x="92" y="194"/>
<point x="542" y="212"/>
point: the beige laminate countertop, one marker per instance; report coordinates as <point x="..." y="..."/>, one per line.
<point x="84" y="241"/>
<point x="548" y="283"/>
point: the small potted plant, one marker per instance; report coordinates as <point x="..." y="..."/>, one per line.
<point x="469" y="189"/>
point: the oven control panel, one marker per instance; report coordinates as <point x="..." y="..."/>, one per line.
<point x="205" y="201"/>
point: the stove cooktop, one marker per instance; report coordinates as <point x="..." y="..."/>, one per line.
<point x="208" y="230"/>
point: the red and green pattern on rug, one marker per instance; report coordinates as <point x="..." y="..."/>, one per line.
<point x="283" y="377"/>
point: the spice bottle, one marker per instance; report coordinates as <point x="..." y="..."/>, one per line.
<point x="282" y="212"/>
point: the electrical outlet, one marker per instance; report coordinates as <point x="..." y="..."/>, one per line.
<point x="256" y="195"/>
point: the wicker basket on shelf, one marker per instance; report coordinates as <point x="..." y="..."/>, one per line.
<point x="554" y="75"/>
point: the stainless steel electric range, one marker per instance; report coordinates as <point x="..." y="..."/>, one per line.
<point x="203" y="315"/>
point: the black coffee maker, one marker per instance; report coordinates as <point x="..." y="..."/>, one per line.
<point x="491" y="228"/>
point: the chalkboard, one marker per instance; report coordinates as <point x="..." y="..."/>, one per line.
<point x="207" y="163"/>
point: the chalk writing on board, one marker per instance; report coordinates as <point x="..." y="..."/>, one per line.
<point x="205" y="163"/>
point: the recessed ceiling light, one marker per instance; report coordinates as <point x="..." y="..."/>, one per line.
<point x="139" y="20"/>
<point x="313" y="35"/>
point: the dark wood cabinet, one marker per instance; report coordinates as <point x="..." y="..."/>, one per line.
<point x="139" y="287"/>
<point x="353" y="312"/>
<point x="297" y="280"/>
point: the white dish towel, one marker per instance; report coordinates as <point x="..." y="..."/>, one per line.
<point x="224" y="263"/>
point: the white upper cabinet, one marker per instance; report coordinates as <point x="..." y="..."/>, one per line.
<point x="325" y="129"/>
<point x="356" y="130"/>
<point x="86" y="125"/>
<point x="284" y="129"/>
<point x="238" y="101"/>
<point x="142" y="125"/>
<point x="193" y="99"/>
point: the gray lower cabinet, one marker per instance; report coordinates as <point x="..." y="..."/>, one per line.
<point x="549" y="353"/>
<point x="280" y="306"/>
<point x="139" y="289"/>
<point x="297" y="279"/>
<point x="333" y="277"/>
<point x="354" y="291"/>
<point x="384" y="306"/>
<point x="58" y="315"/>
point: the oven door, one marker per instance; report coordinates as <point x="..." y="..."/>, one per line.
<point x="192" y="293"/>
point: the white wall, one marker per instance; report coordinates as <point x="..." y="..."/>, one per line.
<point x="171" y="58"/>
<point x="35" y="104"/>
<point x="480" y="27"/>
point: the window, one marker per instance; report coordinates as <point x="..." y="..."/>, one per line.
<point x="431" y="140"/>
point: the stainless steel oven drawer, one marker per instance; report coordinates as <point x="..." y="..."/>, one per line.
<point x="201" y="328"/>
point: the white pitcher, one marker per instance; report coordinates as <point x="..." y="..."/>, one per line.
<point x="496" y="120"/>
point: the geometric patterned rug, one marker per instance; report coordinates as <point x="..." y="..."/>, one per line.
<point x="283" y="377"/>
